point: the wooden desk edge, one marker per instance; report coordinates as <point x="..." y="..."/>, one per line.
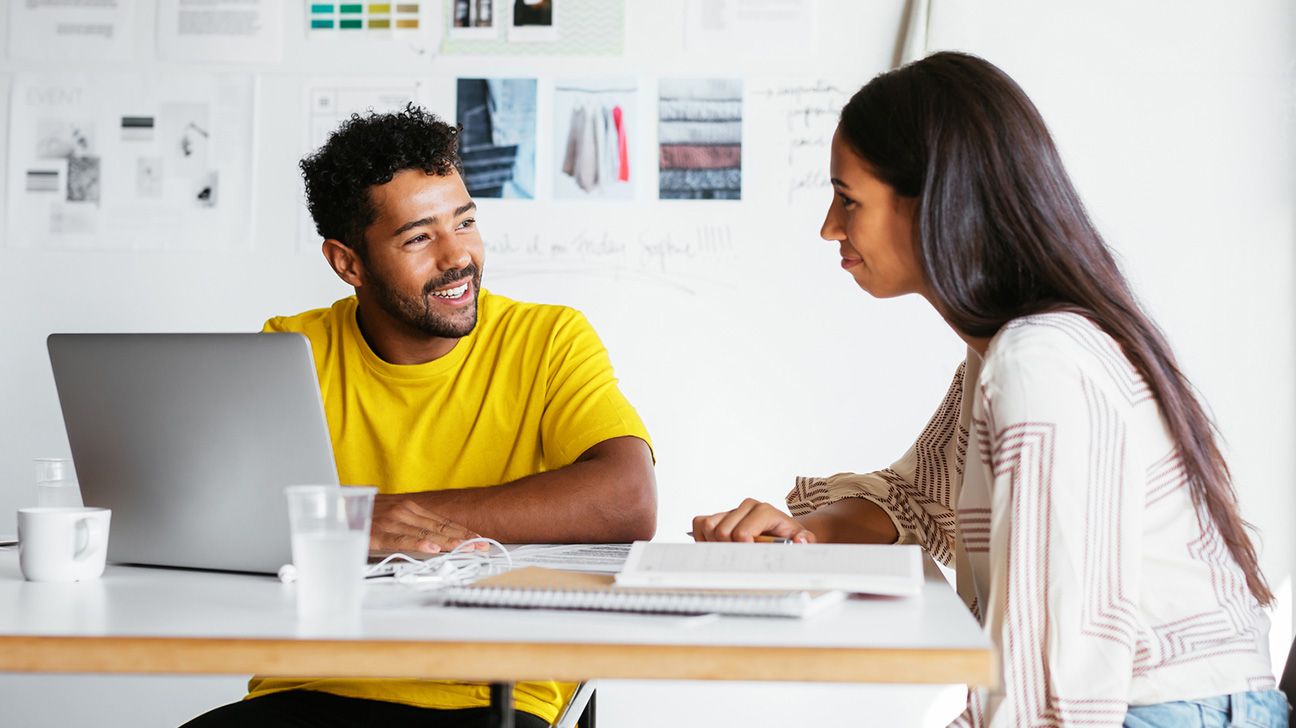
<point x="491" y="661"/>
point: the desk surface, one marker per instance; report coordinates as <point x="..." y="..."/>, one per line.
<point x="144" y="620"/>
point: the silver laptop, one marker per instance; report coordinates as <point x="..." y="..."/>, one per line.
<point x="190" y="440"/>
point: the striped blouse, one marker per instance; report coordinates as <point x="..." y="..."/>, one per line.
<point x="1072" y="533"/>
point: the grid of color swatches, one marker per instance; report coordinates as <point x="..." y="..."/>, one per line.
<point x="363" y="16"/>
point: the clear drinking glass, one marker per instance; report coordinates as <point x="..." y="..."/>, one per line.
<point x="330" y="548"/>
<point x="56" y="483"/>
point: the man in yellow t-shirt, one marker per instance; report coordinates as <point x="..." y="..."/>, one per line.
<point x="472" y="413"/>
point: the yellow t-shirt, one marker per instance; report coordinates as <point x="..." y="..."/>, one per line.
<point x="529" y="390"/>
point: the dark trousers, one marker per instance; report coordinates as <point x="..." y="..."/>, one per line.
<point x="312" y="709"/>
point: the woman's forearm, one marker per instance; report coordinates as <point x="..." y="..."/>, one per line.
<point x="851" y="520"/>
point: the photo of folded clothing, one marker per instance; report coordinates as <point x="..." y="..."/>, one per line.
<point x="700" y="195"/>
<point x="712" y="89"/>
<point x="699" y="132"/>
<point x="699" y="110"/>
<point x="701" y="179"/>
<point x="700" y="156"/>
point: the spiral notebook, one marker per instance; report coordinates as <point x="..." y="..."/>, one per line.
<point x="535" y="587"/>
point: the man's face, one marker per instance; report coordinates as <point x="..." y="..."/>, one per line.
<point x="424" y="256"/>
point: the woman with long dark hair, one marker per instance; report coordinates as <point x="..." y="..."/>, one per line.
<point x="1071" y="476"/>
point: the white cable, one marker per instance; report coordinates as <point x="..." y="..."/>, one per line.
<point x="452" y="568"/>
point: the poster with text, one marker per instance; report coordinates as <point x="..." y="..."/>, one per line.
<point x="130" y="161"/>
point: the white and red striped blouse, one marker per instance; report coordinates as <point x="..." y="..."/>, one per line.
<point x="1072" y="532"/>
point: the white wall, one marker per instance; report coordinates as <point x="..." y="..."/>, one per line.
<point x="1176" y="120"/>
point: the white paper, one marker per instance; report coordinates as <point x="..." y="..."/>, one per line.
<point x="749" y="27"/>
<point x="130" y="161"/>
<point x="796" y="118"/>
<point x="603" y="558"/>
<point x="225" y="31"/>
<point x="861" y="568"/>
<point x="328" y="103"/>
<point x="56" y="30"/>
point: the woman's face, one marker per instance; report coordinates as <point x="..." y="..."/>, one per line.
<point x="873" y="225"/>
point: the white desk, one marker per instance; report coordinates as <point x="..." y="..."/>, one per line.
<point x="141" y="620"/>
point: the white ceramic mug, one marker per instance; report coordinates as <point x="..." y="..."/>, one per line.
<point x="62" y="544"/>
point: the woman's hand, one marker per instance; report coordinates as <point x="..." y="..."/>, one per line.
<point x="750" y="519"/>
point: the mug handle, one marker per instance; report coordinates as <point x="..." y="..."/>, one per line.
<point x="94" y="536"/>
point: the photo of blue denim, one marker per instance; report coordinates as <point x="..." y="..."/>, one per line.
<point x="1256" y="709"/>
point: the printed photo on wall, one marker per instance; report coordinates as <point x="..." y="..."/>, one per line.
<point x="473" y="19"/>
<point x="700" y="135"/>
<point x="534" y="20"/>
<point x="594" y="126"/>
<point x="499" y="136"/>
<point x="72" y="141"/>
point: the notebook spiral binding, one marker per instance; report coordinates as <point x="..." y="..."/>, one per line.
<point x="784" y="604"/>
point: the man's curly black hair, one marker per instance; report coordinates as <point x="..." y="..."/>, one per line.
<point x="366" y="151"/>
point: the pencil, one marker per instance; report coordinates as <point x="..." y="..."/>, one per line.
<point x="759" y="539"/>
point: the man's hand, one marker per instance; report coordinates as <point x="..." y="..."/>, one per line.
<point x="400" y="524"/>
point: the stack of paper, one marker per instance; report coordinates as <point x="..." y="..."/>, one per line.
<point x="892" y="570"/>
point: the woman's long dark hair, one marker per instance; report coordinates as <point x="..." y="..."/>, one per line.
<point x="1003" y="234"/>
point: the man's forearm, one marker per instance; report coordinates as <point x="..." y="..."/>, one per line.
<point x="609" y="495"/>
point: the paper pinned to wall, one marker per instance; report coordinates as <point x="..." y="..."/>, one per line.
<point x="797" y="118"/>
<point x="535" y="20"/>
<point x="473" y="20"/>
<point x="130" y="161"/>
<point x="498" y="142"/>
<point x="225" y="31"/>
<point x="56" y="30"/>
<point x="749" y="27"/>
<point x="568" y="27"/>
<point x="594" y="139"/>
<point x="700" y="133"/>
<point x="416" y="22"/>
<point x="329" y="102"/>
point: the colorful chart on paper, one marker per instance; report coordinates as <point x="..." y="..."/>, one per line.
<point x="342" y="16"/>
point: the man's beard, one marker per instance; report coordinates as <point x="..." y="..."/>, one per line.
<point x="418" y="313"/>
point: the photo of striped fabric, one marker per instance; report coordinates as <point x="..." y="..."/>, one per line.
<point x="699" y="131"/>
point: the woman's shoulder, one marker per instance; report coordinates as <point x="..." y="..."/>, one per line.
<point x="1065" y="341"/>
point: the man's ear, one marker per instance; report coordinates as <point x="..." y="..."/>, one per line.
<point x="345" y="262"/>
